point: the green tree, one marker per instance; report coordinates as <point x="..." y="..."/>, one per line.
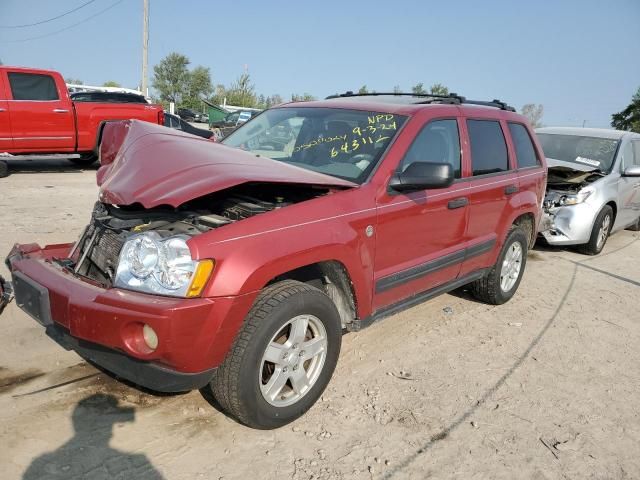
<point x="439" y="89"/>
<point x="305" y="97"/>
<point x="533" y="113"/>
<point x="629" y="118"/>
<point x="111" y="83"/>
<point x="418" y="89"/>
<point x="171" y="77"/>
<point x="74" y="81"/>
<point x="363" y="89"/>
<point x="242" y="92"/>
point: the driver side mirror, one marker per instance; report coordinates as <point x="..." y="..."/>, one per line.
<point x="632" y="171"/>
<point x="422" y="175"/>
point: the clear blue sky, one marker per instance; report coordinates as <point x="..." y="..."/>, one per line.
<point x="580" y="59"/>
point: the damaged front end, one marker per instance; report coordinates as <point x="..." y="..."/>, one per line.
<point x="567" y="214"/>
<point x="141" y="239"/>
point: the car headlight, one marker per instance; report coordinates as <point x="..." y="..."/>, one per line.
<point x="579" y="197"/>
<point x="152" y="264"/>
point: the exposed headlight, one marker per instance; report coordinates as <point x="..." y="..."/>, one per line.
<point x="579" y="197"/>
<point x="149" y="263"/>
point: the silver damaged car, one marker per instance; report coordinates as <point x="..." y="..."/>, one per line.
<point x="593" y="187"/>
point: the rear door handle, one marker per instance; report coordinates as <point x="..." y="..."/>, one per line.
<point x="510" y="189"/>
<point x="458" y="203"/>
<point x="60" y="110"/>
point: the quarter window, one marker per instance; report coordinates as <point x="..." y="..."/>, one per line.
<point x="437" y="142"/>
<point x="488" y="148"/>
<point x="31" y="86"/>
<point x="525" y="152"/>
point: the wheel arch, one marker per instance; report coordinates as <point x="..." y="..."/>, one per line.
<point x="331" y="277"/>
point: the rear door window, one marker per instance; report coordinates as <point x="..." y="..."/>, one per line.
<point x="437" y="142"/>
<point x="525" y="152"/>
<point x="31" y="86"/>
<point x="488" y="147"/>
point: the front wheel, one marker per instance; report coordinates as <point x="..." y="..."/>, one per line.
<point x="282" y="358"/>
<point x="502" y="281"/>
<point x="600" y="232"/>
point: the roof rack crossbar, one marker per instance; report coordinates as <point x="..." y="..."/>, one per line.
<point x="451" y="98"/>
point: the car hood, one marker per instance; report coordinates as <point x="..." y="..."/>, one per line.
<point x="154" y="165"/>
<point x="564" y="165"/>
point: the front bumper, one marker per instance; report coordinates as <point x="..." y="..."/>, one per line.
<point x="105" y="325"/>
<point x="570" y="225"/>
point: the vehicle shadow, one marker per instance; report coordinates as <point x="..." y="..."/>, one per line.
<point x="46" y="166"/>
<point x="88" y="454"/>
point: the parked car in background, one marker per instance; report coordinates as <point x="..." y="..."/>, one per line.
<point x="174" y="121"/>
<point x="238" y="266"/>
<point x="37" y="116"/>
<point x="232" y="121"/>
<point x="593" y="188"/>
<point x="187" y="114"/>
<point x="108" y="97"/>
<point x="204" y="118"/>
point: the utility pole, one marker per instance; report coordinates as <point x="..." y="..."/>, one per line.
<point x="145" y="46"/>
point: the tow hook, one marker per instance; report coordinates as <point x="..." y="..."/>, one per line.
<point x="6" y="293"/>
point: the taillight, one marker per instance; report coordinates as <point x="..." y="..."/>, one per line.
<point x="160" y="117"/>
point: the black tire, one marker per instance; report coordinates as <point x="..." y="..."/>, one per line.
<point x="635" y="227"/>
<point x="236" y="385"/>
<point x="488" y="288"/>
<point x="85" y="160"/>
<point x="593" y="247"/>
<point x="4" y="169"/>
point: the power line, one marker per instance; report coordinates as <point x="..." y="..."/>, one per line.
<point x="66" y="28"/>
<point x="48" y="19"/>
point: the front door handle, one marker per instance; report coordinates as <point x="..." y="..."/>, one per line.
<point x="458" y="203"/>
<point x="510" y="189"/>
<point x="2" y="110"/>
<point x="60" y="110"/>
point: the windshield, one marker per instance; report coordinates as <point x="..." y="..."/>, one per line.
<point x="338" y="142"/>
<point x="593" y="151"/>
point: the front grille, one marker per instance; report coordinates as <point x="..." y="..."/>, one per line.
<point x="98" y="252"/>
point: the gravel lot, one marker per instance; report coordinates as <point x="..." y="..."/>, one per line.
<point x="544" y="387"/>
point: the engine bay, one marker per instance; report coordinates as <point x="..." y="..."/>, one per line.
<point x="96" y="253"/>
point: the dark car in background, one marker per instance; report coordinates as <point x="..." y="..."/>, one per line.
<point x="175" y="122"/>
<point x="187" y="114"/>
<point x="232" y="121"/>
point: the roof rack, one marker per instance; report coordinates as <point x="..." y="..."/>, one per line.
<point x="452" y="98"/>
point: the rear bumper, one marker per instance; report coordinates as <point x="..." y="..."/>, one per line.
<point x="105" y="325"/>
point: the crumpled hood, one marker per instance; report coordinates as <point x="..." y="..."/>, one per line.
<point x="154" y="165"/>
<point x="568" y="173"/>
<point x="575" y="166"/>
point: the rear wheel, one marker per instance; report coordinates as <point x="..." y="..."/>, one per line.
<point x="502" y="281"/>
<point x="600" y="232"/>
<point x="4" y="169"/>
<point x="85" y="159"/>
<point x="283" y="357"/>
<point x="635" y="227"/>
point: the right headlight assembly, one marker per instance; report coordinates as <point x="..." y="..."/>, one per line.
<point x="152" y="264"/>
<point x="579" y="197"/>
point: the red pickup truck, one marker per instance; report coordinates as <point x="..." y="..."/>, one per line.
<point x="38" y="117"/>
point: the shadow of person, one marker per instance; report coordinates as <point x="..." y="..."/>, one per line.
<point x="88" y="454"/>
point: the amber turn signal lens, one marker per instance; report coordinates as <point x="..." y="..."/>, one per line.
<point x="200" y="277"/>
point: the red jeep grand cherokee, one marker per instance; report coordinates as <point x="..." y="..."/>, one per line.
<point x="239" y="265"/>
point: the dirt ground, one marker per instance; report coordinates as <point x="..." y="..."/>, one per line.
<point x="544" y="387"/>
